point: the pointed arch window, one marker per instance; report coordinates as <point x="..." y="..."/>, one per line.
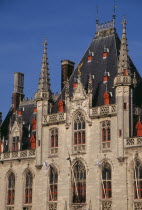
<point x="78" y="183"/>
<point x="54" y="141"/>
<point x="137" y="180"/>
<point x="11" y="190"/>
<point x="53" y="184"/>
<point x="15" y="141"/>
<point x="79" y="133"/>
<point x="106" y="181"/>
<point x="28" y="187"/>
<point x="106" y="134"/>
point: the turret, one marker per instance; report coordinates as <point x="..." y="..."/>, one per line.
<point x="42" y="98"/>
<point x="123" y="83"/>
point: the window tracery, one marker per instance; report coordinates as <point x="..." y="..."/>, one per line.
<point x="11" y="191"/>
<point x="28" y="188"/>
<point x="137" y="180"/>
<point x="79" y="133"/>
<point x="106" y="134"/>
<point x="78" y="183"/>
<point x="15" y="143"/>
<point x="54" y="141"/>
<point x="53" y="188"/>
<point x="106" y="181"/>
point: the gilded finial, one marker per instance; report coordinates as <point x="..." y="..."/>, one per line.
<point x="79" y="67"/>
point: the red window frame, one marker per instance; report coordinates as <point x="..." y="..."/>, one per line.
<point x="138" y="180"/>
<point x="11" y="189"/>
<point x="106" y="181"/>
<point x="106" y="132"/>
<point x="28" y="187"/>
<point x="79" y="183"/>
<point x="15" y="143"/>
<point x="54" y="138"/>
<point x="79" y="130"/>
<point x="53" y="184"/>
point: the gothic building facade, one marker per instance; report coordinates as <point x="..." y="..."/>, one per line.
<point x="82" y="149"/>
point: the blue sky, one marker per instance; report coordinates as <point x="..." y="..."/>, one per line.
<point x="69" y="26"/>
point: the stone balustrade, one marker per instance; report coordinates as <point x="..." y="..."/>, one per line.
<point x="103" y="110"/>
<point x="133" y="142"/>
<point x="17" y="155"/>
<point x="53" y="118"/>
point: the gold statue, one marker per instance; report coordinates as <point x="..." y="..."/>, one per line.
<point x="79" y="67"/>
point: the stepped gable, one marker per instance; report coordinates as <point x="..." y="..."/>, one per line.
<point x="106" y="38"/>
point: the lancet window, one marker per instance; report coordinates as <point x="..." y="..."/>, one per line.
<point x="15" y="143"/>
<point x="53" y="184"/>
<point x="54" y="141"/>
<point x="11" y="190"/>
<point x="78" y="183"/>
<point x="106" y="134"/>
<point x="79" y="133"/>
<point x="106" y="181"/>
<point x="137" y="180"/>
<point x="28" y="187"/>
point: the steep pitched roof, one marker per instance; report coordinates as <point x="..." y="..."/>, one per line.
<point x="106" y="38"/>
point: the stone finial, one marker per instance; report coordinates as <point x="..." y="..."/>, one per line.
<point x="44" y="80"/>
<point x="123" y="64"/>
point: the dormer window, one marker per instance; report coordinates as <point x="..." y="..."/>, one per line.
<point x="105" y="53"/>
<point x="90" y="56"/>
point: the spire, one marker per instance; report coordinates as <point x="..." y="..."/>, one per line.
<point x="114" y="10"/>
<point x="123" y="64"/>
<point x="44" y="81"/>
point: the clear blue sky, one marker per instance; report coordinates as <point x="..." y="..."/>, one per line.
<point x="69" y="26"/>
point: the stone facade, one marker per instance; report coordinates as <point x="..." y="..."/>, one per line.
<point x="81" y="155"/>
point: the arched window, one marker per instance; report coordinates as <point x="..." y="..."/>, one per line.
<point x="15" y="141"/>
<point x="54" y="141"/>
<point x="106" y="134"/>
<point x="79" y="133"/>
<point x="106" y="181"/>
<point x="11" y="189"/>
<point x="78" y="183"/>
<point x="53" y="184"/>
<point x="28" y="187"/>
<point x="137" y="180"/>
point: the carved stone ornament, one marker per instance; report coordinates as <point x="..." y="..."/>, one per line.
<point x="79" y="92"/>
<point x="38" y="166"/>
<point x="120" y="91"/>
<point x="126" y="91"/>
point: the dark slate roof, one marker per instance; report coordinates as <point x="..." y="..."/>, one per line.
<point x="97" y="67"/>
<point x="27" y="108"/>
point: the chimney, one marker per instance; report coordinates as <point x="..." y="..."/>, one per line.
<point x="66" y="72"/>
<point x="18" y="94"/>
